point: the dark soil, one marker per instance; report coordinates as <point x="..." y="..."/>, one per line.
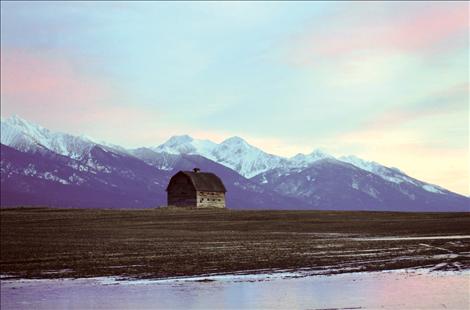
<point x="153" y="243"/>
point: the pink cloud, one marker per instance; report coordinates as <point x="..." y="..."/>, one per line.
<point x="53" y="90"/>
<point x="44" y="78"/>
<point x="369" y="27"/>
<point x="430" y="27"/>
<point x="436" y="104"/>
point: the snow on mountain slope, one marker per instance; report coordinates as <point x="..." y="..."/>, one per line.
<point x="14" y="136"/>
<point x="116" y="181"/>
<point x="48" y="178"/>
<point x="237" y="154"/>
<point x="367" y="183"/>
<point x="302" y="160"/>
<point x="244" y="158"/>
<point x="234" y="153"/>
<point x="108" y="146"/>
<point x="390" y="174"/>
<point x="250" y="161"/>
<point x="29" y="137"/>
<point x="333" y="184"/>
<point x="163" y="161"/>
<point x="26" y="136"/>
<point x="186" y="145"/>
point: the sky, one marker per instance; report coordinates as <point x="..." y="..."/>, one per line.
<point x="385" y="81"/>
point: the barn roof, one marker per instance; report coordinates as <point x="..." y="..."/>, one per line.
<point x="204" y="181"/>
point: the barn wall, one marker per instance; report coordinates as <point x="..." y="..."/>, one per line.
<point x="210" y="199"/>
<point x="181" y="192"/>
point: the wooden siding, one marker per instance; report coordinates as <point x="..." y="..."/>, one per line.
<point x="210" y="199"/>
<point x="181" y="192"/>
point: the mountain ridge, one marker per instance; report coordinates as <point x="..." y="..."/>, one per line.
<point x="260" y="175"/>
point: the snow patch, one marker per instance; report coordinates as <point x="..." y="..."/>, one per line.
<point x="432" y="189"/>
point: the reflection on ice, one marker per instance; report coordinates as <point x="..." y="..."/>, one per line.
<point x="410" y="238"/>
<point x="387" y="290"/>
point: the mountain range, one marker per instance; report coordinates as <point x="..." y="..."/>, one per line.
<point x="42" y="167"/>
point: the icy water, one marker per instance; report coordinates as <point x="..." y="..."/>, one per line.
<point x="376" y="290"/>
<point x="411" y="238"/>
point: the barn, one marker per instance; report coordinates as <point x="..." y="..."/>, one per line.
<point x="196" y="189"/>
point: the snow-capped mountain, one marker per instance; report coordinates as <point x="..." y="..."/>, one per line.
<point x="237" y="154"/>
<point x="393" y="175"/>
<point x="233" y="152"/>
<point x="163" y="161"/>
<point x="185" y="144"/>
<point x="39" y="166"/>
<point x="251" y="161"/>
<point x="301" y="160"/>
<point x="47" y="178"/>
<point x="329" y="183"/>
<point x="116" y="181"/>
<point x="244" y="158"/>
<point x="26" y="136"/>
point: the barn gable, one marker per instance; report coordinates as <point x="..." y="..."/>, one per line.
<point x="202" y="181"/>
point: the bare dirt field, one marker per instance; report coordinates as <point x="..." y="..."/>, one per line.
<point x="153" y="243"/>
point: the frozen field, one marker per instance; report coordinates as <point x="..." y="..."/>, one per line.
<point x="150" y="244"/>
<point x="368" y="290"/>
<point x="264" y="259"/>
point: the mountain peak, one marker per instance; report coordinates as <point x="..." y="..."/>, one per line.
<point x="319" y="150"/>
<point x="19" y="121"/>
<point x="27" y="136"/>
<point x="16" y="118"/>
<point x="307" y="177"/>
<point x="306" y="160"/>
<point x="185" y="144"/>
<point x="179" y="139"/>
<point x="320" y="153"/>
<point x="234" y="140"/>
<point x="19" y="124"/>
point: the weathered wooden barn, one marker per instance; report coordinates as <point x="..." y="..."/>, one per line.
<point x="196" y="189"/>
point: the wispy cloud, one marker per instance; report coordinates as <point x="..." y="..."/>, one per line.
<point x="454" y="99"/>
<point x="385" y="27"/>
<point x="53" y="90"/>
<point x="384" y="80"/>
<point x="31" y="78"/>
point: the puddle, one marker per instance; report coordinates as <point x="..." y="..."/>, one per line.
<point x="368" y="290"/>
